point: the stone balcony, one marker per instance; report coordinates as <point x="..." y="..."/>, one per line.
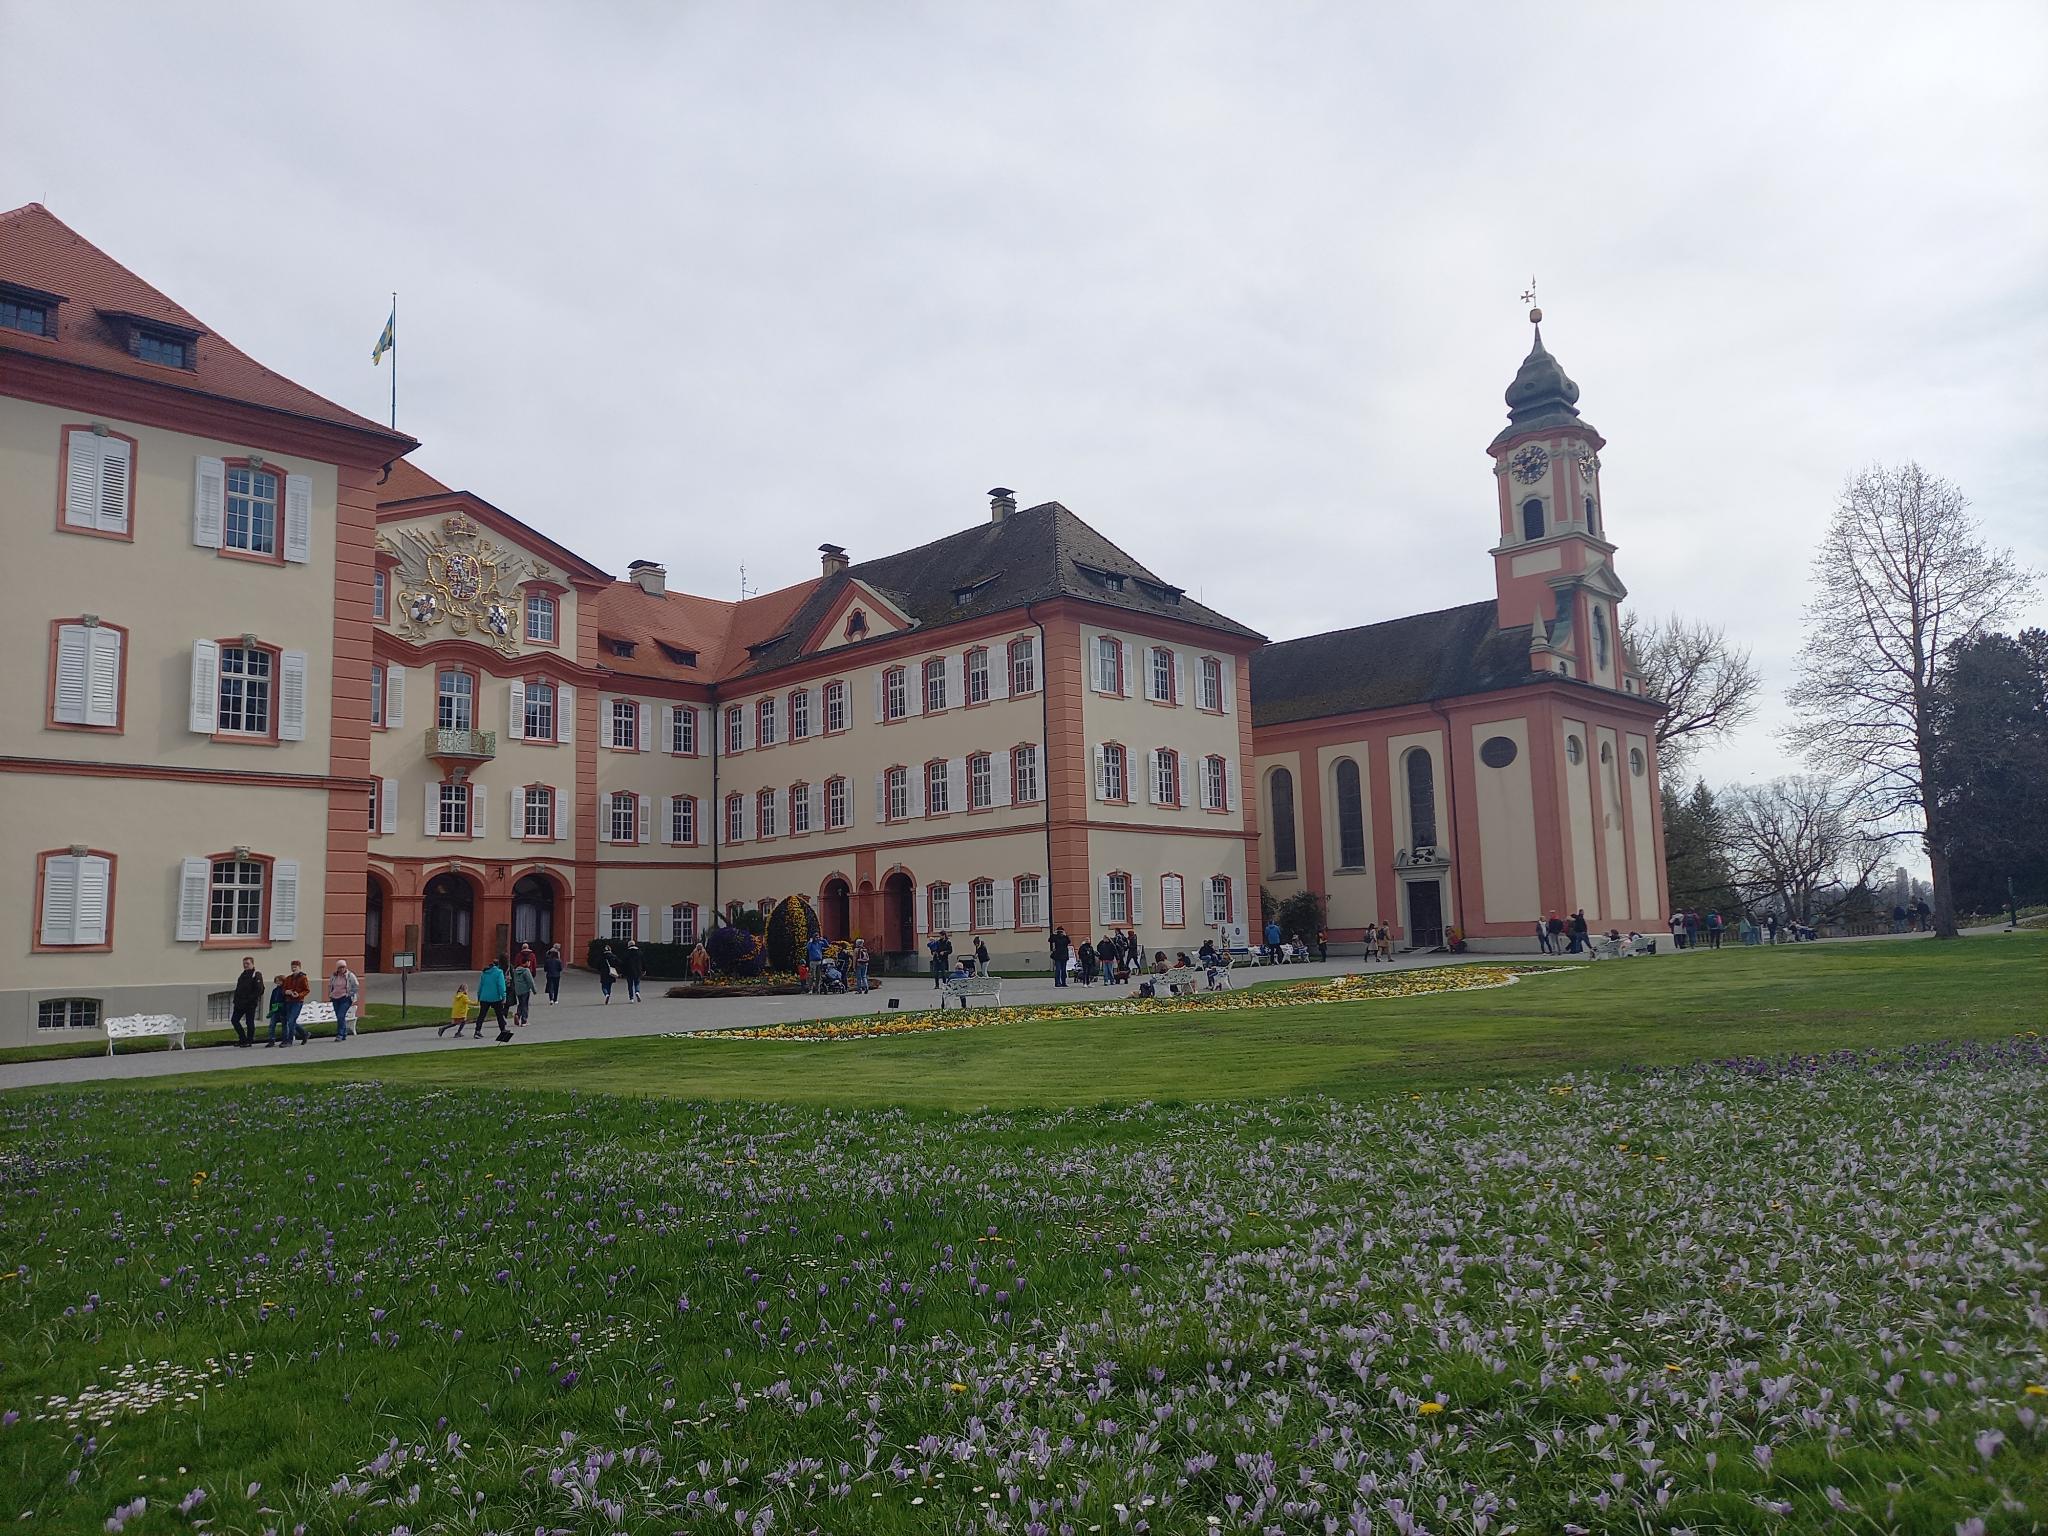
<point x="452" y="747"/>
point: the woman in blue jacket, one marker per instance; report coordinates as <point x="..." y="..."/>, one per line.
<point x="490" y="998"/>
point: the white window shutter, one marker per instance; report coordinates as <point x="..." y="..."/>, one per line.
<point x="917" y="791"/>
<point x="291" y="696"/>
<point x="1101" y="774"/>
<point x="1102" y="906"/>
<point x="1180" y="679"/>
<point x="1228" y="668"/>
<point x="59" y="918"/>
<point x="604" y="720"/>
<point x="881" y="798"/>
<point x="1173" y="911"/>
<point x="81" y="493"/>
<point x="1229" y="785"/>
<point x="562" y="804"/>
<point x="430" y="821"/>
<point x="116" y="473"/>
<point x="205" y="685"/>
<point x="284" y="899"/>
<point x="194" y="876"/>
<point x="1006" y="903"/>
<point x="565" y="713"/>
<point x="646" y="818"/>
<point x="747" y="727"/>
<point x="814" y="710"/>
<point x="74" y="672"/>
<point x="394" y="697"/>
<point x="1091" y="663"/>
<point x="1152" y="776"/>
<point x="956" y="783"/>
<point x="95" y="876"/>
<point x="209" y="501"/>
<point x="387" y="806"/>
<point x="479" y="798"/>
<point x="515" y="815"/>
<point x="515" y="709"/>
<point x="1031" y="645"/>
<point x="1137" y="902"/>
<point x="924" y="909"/>
<point x="642" y="918"/>
<point x="1229" y="898"/>
<point x="668" y="728"/>
<point x="646" y="720"/>
<point x="298" y="518"/>
<point x="879" y="694"/>
<point x="815" y="795"/>
<point x="1151" y="683"/>
<point x="1001" y="766"/>
<point x="956" y="681"/>
<point x="1130" y="660"/>
<point x="913" y="689"/>
<point x="750" y="816"/>
<point x="103" y="679"/>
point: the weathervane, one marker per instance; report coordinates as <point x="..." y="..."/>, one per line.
<point x="1529" y="298"/>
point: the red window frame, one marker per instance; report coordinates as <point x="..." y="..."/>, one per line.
<point x="889" y="817"/>
<point x="476" y="694"/>
<point x="261" y="940"/>
<point x="1222" y="805"/>
<point x="934" y="666"/>
<point x="1038" y="773"/>
<point x="1130" y="885"/>
<point x="228" y="467"/>
<point x="468" y="832"/>
<point x="845" y="802"/>
<point x="1159" y="757"/>
<point x="554" y="814"/>
<point x="1152" y="655"/>
<point x="901" y="675"/>
<point x="63" y="482"/>
<point x="696" y="822"/>
<point x="1017" y="902"/>
<point x="967" y="781"/>
<point x="941" y="764"/>
<point x="735" y="801"/>
<point x="731" y="715"/>
<point x="1125" y="797"/>
<point x="967" y="698"/>
<point x="1202" y="664"/>
<point x="120" y="725"/>
<point x="554" y="714"/>
<point x="799" y="790"/>
<point x="639" y="736"/>
<point x="676" y="714"/>
<point x="825" y="727"/>
<point x="764" y="798"/>
<point x="1010" y="658"/>
<point x="767" y="711"/>
<point x="247" y="738"/>
<point x="611" y="818"/>
<point x="36" y="946"/>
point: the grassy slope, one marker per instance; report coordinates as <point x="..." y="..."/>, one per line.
<point x="1736" y="1002"/>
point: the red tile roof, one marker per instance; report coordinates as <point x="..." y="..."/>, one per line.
<point x="407" y="482"/>
<point x="38" y="250"/>
<point x="718" y="632"/>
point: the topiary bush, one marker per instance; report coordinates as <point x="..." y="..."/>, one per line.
<point x="735" y="952"/>
<point x="790" y="927"/>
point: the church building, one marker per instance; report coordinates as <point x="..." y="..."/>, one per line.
<point x="1481" y="767"/>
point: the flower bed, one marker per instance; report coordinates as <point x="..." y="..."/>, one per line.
<point x="759" y="986"/>
<point x="1338" y="989"/>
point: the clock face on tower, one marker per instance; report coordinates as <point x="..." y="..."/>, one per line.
<point x="1529" y="464"/>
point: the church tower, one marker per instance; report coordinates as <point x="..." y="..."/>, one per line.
<point x="1553" y="566"/>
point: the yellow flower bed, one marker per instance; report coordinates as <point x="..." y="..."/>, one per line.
<point x="1337" y="989"/>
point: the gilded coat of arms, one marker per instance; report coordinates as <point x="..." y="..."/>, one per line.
<point x="452" y="575"/>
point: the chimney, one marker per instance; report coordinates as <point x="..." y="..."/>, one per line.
<point x="649" y="577"/>
<point x="832" y="558"/>
<point x="1002" y="501"/>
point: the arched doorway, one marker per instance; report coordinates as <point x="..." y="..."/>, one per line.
<point x="899" y="914"/>
<point x="446" y="914"/>
<point x="533" y="912"/>
<point x="835" y="909"/>
<point x="373" y="926"/>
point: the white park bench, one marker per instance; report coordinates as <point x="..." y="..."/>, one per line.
<point x="969" y="987"/>
<point x="142" y="1026"/>
<point x="1183" y="981"/>
<point x="316" y="1013"/>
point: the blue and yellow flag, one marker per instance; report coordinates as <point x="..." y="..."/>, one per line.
<point x="388" y="340"/>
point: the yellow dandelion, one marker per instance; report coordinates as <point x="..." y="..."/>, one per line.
<point x="2035" y="1389"/>
<point x="1430" y="1408"/>
<point x="956" y="1386"/>
<point x="1674" y="1369"/>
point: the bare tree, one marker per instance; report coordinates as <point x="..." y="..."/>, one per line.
<point x="1797" y="844"/>
<point x="1900" y="575"/>
<point x="1708" y="685"/>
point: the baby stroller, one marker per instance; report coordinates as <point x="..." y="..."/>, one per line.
<point x="833" y="979"/>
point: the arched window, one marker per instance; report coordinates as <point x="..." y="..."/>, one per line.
<point x="1280" y="791"/>
<point x="1421" y="799"/>
<point x="1532" y="518"/>
<point x="1350" y="817"/>
<point x="1592" y="517"/>
<point x="1600" y="636"/>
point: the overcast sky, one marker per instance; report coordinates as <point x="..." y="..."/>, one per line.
<point x="711" y="284"/>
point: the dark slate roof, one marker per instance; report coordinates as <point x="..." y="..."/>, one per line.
<point x="1542" y="395"/>
<point x="1424" y="656"/>
<point x="1035" y="555"/>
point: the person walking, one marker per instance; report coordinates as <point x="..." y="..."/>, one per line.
<point x="1061" y="948"/>
<point x="980" y="955"/>
<point x="1322" y="947"/>
<point x="1771" y="926"/>
<point x="298" y="986"/>
<point x="1087" y="959"/>
<point x="458" y="1012"/>
<point x="522" y="991"/>
<point x="1714" y="927"/>
<point x="814" y="957"/>
<point x="248" y="998"/>
<point x="1692" y="929"/>
<point x="1273" y="942"/>
<point x="632" y="969"/>
<point x="1542" y="936"/>
<point x="1578" y="931"/>
<point x="490" y="996"/>
<point x="551" y="966"/>
<point x="860" y="965"/>
<point x="607" y="973"/>
<point x="941" y="949"/>
<point x="277" y="1015"/>
<point x="343" y="988"/>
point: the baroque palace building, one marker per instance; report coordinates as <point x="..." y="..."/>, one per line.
<point x="298" y="699"/>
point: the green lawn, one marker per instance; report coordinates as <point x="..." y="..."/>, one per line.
<point x="1669" y="1009"/>
<point x="374" y="1019"/>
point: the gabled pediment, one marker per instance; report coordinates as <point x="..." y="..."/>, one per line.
<point x="859" y="612"/>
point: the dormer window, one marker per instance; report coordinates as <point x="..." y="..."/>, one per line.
<point x="962" y="596"/>
<point x="28" y="310"/>
<point x="1111" y="580"/>
<point x="155" y="341"/>
<point x="1159" y="592"/>
<point x="677" y="654"/>
<point x="155" y="347"/>
<point x="614" y="647"/>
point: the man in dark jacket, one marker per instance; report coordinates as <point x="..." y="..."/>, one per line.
<point x="248" y="998"/>
<point x="630" y="968"/>
<point x="1061" y="947"/>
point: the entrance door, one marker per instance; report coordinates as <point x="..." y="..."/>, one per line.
<point x="836" y="916"/>
<point x="899" y="916"/>
<point x="533" y="912"/>
<point x="373" y="927"/>
<point x="445" y="922"/>
<point x="1425" y="914"/>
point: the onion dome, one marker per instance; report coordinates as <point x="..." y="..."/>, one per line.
<point x="1542" y="394"/>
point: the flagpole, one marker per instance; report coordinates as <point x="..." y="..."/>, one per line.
<point x="394" y="359"/>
